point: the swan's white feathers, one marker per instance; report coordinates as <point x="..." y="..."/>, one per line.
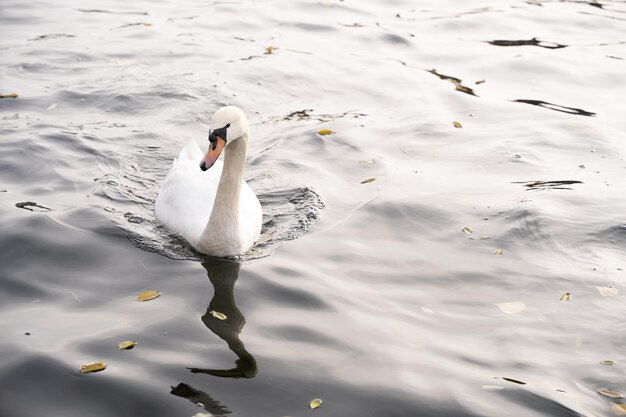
<point x="187" y="197"/>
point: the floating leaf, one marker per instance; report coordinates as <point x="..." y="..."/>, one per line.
<point x="12" y="95"/>
<point x="315" y="403"/>
<point x="499" y="251"/>
<point x="126" y="345"/>
<point x="618" y="409"/>
<point x="147" y="25"/>
<point x="147" y="295"/>
<point x="608" y="291"/>
<point x="560" y="390"/>
<point x="479" y="81"/>
<point x="515" y="381"/>
<point x="607" y="362"/>
<point x="367" y="162"/>
<point x="367" y="181"/>
<point x="479" y="237"/>
<point x="467" y="230"/>
<point x="458" y="125"/>
<point x="270" y="50"/>
<point x="218" y="315"/>
<point x="566" y="297"/>
<point x="511" y="308"/>
<point x="608" y="393"/>
<point x="324" y="132"/>
<point x="93" y="367"/>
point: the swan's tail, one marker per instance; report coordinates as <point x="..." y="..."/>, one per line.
<point x="190" y="152"/>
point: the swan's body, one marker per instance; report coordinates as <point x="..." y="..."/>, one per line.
<point x="213" y="208"/>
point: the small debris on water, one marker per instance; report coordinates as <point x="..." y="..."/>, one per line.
<point x="32" y="206"/>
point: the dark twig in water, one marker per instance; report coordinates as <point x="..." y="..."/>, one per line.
<point x="556" y="107"/>
<point x="529" y="42"/>
<point x="32" y="206"/>
<point x="543" y="185"/>
<point x="456" y="81"/>
<point x="52" y="36"/>
<point x="306" y="115"/>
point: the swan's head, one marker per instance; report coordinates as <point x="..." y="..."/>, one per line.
<point x="229" y="124"/>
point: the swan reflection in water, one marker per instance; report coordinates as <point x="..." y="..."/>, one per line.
<point x="223" y="274"/>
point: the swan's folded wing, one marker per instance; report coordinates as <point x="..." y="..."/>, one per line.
<point x="190" y="152"/>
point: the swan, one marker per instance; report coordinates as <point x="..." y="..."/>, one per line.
<point x="205" y="200"/>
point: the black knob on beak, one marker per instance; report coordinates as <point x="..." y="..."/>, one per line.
<point x="203" y="166"/>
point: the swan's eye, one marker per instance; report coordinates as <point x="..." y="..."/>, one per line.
<point x="214" y="133"/>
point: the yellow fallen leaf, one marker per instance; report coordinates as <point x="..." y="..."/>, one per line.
<point x="147" y="25"/>
<point x="315" y="403"/>
<point x="608" y="291"/>
<point x="147" y="295"/>
<point x="499" y="251"/>
<point x="12" y="95"/>
<point x="367" y="181"/>
<point x="467" y="230"/>
<point x="127" y="345"/>
<point x="324" y="132"/>
<point x="218" y="315"/>
<point x="608" y="393"/>
<point x="566" y="297"/>
<point x="511" y="308"/>
<point x="270" y="50"/>
<point x="93" y="367"/>
<point x="618" y="409"/>
<point x="607" y="362"/>
<point x="458" y="125"/>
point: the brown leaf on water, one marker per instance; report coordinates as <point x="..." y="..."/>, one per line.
<point x="479" y="81"/>
<point x="324" y="132"/>
<point x="467" y="230"/>
<point x="607" y="362"/>
<point x="93" y="367"/>
<point x="515" y="381"/>
<point x="608" y="393"/>
<point x="566" y="297"/>
<point x="367" y="181"/>
<point x="218" y="315"/>
<point x="458" y="125"/>
<point x="11" y="95"/>
<point x="126" y="345"/>
<point x="148" y="295"/>
<point x="618" y="409"/>
<point x="147" y="25"/>
<point x="499" y="251"/>
<point x="315" y="403"/>
<point x="270" y="50"/>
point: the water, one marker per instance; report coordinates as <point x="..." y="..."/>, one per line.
<point x="369" y="295"/>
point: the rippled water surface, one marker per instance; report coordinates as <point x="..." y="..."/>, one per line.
<point x="494" y="135"/>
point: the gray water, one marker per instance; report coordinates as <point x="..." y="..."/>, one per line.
<point x="370" y="296"/>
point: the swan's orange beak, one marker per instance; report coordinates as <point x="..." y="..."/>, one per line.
<point x="212" y="154"/>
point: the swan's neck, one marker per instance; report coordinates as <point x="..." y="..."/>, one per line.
<point x="224" y="220"/>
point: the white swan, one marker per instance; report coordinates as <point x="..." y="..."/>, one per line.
<point x="213" y="209"/>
